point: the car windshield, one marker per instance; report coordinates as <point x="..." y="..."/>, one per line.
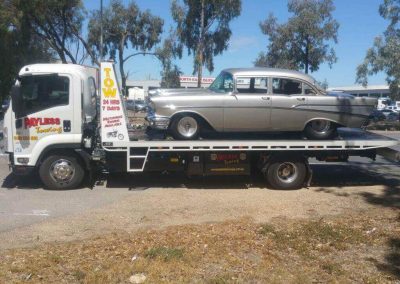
<point x="223" y="83"/>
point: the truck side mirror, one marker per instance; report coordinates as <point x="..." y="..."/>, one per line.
<point x="16" y="100"/>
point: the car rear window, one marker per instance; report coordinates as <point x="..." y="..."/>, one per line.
<point x="282" y="86"/>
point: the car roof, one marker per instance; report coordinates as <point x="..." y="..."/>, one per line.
<point x="261" y="71"/>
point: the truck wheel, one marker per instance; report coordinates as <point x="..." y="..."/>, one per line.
<point x="290" y="174"/>
<point x="61" y="172"/>
<point x="185" y="127"/>
<point x="320" y="130"/>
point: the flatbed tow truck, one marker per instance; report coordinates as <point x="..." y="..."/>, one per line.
<point x="55" y="128"/>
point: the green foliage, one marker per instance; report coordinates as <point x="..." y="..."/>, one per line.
<point x="384" y="55"/>
<point x="123" y="28"/>
<point x="58" y="23"/>
<point x="19" y="45"/>
<point x="304" y="41"/>
<point x="170" y="78"/>
<point x="203" y="28"/>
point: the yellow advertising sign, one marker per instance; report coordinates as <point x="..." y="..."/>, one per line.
<point x="109" y="90"/>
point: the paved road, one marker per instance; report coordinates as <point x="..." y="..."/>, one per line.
<point x="24" y="204"/>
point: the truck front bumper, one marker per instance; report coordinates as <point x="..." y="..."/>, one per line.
<point x="158" y="122"/>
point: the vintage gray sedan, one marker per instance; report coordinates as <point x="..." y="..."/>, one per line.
<point x="257" y="100"/>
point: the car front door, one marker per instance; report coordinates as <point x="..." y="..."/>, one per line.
<point x="247" y="109"/>
<point x="288" y="105"/>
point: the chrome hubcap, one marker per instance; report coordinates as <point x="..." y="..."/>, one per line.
<point x="62" y="171"/>
<point x="187" y="126"/>
<point x="321" y="125"/>
<point x="287" y="172"/>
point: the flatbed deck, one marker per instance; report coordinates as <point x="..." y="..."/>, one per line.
<point x="348" y="139"/>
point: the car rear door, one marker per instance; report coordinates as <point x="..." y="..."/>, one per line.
<point x="288" y="105"/>
<point x="248" y="107"/>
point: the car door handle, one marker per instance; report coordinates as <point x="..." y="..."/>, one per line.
<point x="301" y="99"/>
<point x="266" y="98"/>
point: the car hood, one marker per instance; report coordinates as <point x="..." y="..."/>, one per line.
<point x="178" y="92"/>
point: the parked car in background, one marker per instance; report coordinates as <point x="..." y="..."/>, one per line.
<point x="257" y="100"/>
<point x="376" y="116"/>
<point x="393" y="107"/>
<point x="387" y="112"/>
<point x="394" y="116"/>
<point x="136" y="105"/>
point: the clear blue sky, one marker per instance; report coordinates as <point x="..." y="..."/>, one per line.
<point x="359" y="22"/>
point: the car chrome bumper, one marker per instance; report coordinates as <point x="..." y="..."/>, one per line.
<point x="158" y="122"/>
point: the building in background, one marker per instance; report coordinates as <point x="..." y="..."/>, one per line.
<point x="139" y="89"/>
<point x="376" y="91"/>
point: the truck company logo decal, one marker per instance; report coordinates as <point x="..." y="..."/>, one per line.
<point x="51" y="129"/>
<point x="25" y="138"/>
<point x="40" y="121"/>
<point x="109" y="90"/>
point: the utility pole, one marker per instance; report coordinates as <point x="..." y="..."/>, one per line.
<point x="101" y="30"/>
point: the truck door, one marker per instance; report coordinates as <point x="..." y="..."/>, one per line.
<point x="248" y="108"/>
<point x="46" y="114"/>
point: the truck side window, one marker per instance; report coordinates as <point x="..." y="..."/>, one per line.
<point x="41" y="92"/>
<point x="92" y="90"/>
<point x="286" y="86"/>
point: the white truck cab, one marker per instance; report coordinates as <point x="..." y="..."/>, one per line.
<point x="52" y="106"/>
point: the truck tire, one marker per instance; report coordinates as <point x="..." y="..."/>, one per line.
<point x="286" y="174"/>
<point x="61" y="172"/>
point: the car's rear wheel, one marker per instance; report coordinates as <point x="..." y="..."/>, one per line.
<point x="185" y="127"/>
<point x="320" y="129"/>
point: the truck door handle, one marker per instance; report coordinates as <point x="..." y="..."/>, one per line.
<point x="301" y="99"/>
<point x="266" y="98"/>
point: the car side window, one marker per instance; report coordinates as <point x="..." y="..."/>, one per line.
<point x="288" y="87"/>
<point x="252" y="85"/>
<point x="308" y="90"/>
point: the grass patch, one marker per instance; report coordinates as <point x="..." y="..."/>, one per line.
<point x="164" y="253"/>
<point x="335" y="250"/>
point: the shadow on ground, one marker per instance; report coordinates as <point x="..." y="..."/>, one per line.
<point x="22" y="182"/>
<point x="363" y="174"/>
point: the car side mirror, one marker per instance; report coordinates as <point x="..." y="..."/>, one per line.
<point x="16" y="100"/>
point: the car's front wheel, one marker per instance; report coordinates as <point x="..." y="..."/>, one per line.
<point x="185" y="127"/>
<point x="320" y="129"/>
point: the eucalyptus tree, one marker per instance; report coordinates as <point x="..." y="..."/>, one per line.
<point x="304" y="41"/>
<point x="203" y="28"/>
<point x="384" y="55"/>
<point x="127" y="31"/>
<point x="59" y="24"/>
<point x="19" y="44"/>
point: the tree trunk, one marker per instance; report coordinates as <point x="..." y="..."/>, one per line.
<point x="307" y="63"/>
<point x="200" y="57"/>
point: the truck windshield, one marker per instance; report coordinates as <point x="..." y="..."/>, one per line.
<point x="223" y="83"/>
<point x="41" y="92"/>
